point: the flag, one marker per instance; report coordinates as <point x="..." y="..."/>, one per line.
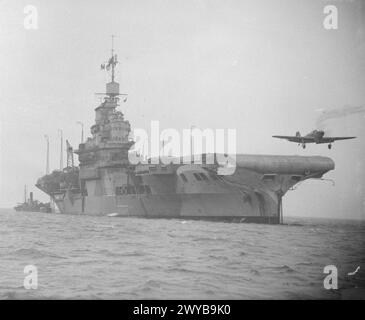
<point x="110" y="62"/>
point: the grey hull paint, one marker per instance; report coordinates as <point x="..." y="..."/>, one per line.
<point x="252" y="194"/>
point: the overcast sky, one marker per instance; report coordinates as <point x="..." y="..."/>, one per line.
<point x="262" y="67"/>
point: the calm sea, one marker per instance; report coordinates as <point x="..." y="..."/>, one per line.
<point x="86" y="257"/>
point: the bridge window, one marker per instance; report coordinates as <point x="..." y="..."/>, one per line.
<point x="183" y="177"/>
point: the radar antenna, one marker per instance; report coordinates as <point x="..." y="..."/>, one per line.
<point x="112" y="62"/>
<point x="112" y="88"/>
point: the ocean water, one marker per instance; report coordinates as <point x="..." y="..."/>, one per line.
<point x="87" y="257"/>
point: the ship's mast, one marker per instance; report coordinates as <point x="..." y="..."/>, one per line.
<point x="113" y="58"/>
<point x="112" y="88"/>
<point x="60" y="131"/>
<point x="47" y="155"/>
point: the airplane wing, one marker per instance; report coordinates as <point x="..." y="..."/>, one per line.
<point x="295" y="139"/>
<point x="332" y="139"/>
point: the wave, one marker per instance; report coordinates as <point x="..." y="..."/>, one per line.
<point x="284" y="268"/>
<point x="135" y="253"/>
<point x="34" y="254"/>
<point x="255" y="272"/>
<point x="33" y="295"/>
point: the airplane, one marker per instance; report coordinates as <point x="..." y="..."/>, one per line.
<point x="316" y="136"/>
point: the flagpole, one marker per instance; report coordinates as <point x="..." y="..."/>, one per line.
<point x="82" y="130"/>
<point x="61" y="153"/>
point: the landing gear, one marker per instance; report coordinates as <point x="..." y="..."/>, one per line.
<point x="303" y="145"/>
<point x="329" y="146"/>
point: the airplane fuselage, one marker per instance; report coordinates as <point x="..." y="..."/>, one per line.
<point x="316" y="136"/>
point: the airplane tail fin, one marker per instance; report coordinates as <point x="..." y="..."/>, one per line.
<point x="297" y="134"/>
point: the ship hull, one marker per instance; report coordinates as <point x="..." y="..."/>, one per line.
<point x="253" y="193"/>
<point x="217" y="207"/>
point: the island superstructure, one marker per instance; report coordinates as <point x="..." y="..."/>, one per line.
<point x="106" y="182"/>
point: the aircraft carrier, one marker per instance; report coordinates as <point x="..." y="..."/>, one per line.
<point x="107" y="183"/>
